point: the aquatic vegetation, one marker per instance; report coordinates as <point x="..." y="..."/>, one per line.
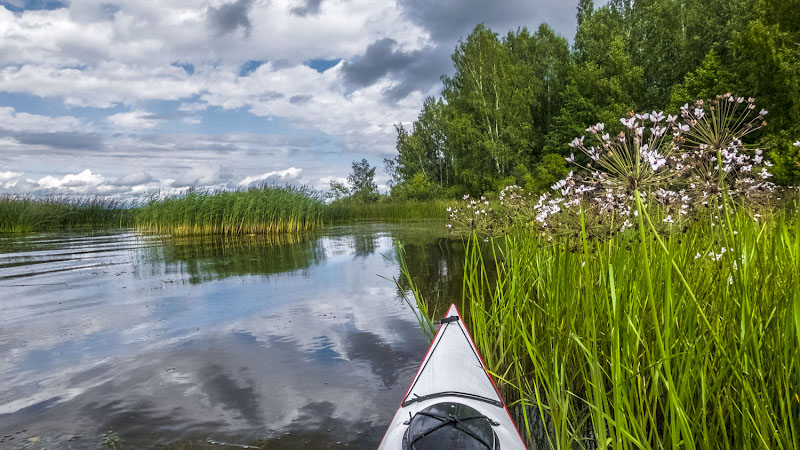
<point x="111" y="440"/>
<point x="263" y="210"/>
<point x="22" y="214"/>
<point x="385" y="210"/>
<point x="694" y="346"/>
<point x="653" y="299"/>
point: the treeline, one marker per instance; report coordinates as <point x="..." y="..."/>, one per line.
<point x="514" y="102"/>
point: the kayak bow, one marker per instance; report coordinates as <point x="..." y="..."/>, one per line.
<point x="452" y="402"/>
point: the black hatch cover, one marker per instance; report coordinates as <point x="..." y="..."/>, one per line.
<point x="450" y="425"/>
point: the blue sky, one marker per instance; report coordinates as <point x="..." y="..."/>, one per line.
<point x="132" y="96"/>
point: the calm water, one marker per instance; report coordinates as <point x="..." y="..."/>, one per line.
<point x="301" y="344"/>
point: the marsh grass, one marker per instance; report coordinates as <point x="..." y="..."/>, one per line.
<point x="646" y="340"/>
<point x="386" y="210"/>
<point x="22" y="214"/>
<point x="264" y="210"/>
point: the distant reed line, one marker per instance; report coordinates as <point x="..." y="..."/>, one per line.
<point x="386" y="210"/>
<point x="266" y="210"/>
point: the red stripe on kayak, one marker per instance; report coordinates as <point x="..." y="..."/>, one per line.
<point x="419" y="369"/>
<point x="483" y="364"/>
<point x="485" y="370"/>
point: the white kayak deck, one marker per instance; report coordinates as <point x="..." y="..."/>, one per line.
<point x="453" y="371"/>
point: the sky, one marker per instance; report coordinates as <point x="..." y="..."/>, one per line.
<point x="129" y="97"/>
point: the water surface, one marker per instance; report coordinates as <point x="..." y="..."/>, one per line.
<point x="295" y="343"/>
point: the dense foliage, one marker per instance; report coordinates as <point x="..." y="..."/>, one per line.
<point x="514" y="102"/>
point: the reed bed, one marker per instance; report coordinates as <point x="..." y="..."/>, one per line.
<point x="649" y="340"/>
<point x="265" y="210"/>
<point x="23" y="214"/>
<point x="386" y="210"/>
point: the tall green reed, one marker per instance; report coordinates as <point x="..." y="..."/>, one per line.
<point x="264" y="210"/>
<point x="651" y="301"/>
<point x="385" y="210"/>
<point x="646" y="340"/>
<point x="21" y="214"/>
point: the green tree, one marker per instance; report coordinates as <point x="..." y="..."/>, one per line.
<point x="540" y="62"/>
<point x="711" y="78"/>
<point x="767" y="59"/>
<point x="424" y="149"/>
<point x="514" y="102"/>
<point x="603" y="83"/>
<point x="337" y="191"/>
<point x="362" y="181"/>
<point x="585" y="9"/>
<point x="481" y="92"/>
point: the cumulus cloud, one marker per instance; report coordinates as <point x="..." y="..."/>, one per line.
<point x="300" y="99"/>
<point x="166" y="66"/>
<point x="60" y="132"/>
<point x="134" y="179"/>
<point x="449" y="20"/>
<point x="276" y="176"/>
<point x="229" y="17"/>
<point x="418" y="70"/>
<point x="84" y="182"/>
<point x="9" y="179"/>
<point x="308" y="7"/>
<point x="201" y="176"/>
<point x="134" y="119"/>
<point x="381" y="57"/>
<point x="12" y="120"/>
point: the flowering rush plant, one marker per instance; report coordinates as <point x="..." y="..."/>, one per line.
<point x="682" y="164"/>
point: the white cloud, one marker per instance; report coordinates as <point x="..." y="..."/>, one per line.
<point x="137" y="56"/>
<point x="361" y="119"/>
<point x="86" y="57"/>
<point x="326" y="181"/>
<point x="200" y="176"/>
<point x="134" y="179"/>
<point x="133" y="119"/>
<point x="12" y="120"/>
<point x="82" y="182"/>
<point x="9" y="179"/>
<point x="276" y="176"/>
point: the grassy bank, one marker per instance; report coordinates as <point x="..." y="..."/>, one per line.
<point x="20" y="214"/>
<point x="267" y="210"/>
<point x="681" y="339"/>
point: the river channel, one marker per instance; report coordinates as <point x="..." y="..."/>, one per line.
<point x="155" y="342"/>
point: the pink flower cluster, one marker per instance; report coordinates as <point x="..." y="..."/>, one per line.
<point x="682" y="163"/>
